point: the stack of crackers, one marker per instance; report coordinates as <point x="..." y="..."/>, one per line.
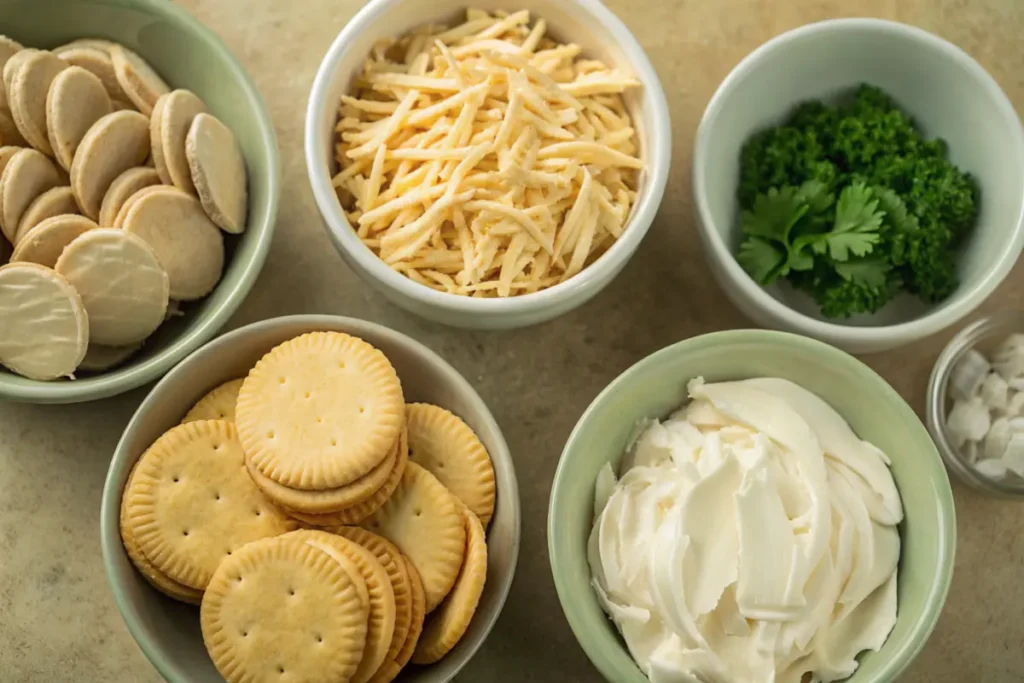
<point x="114" y="194"/>
<point x="327" y="530"/>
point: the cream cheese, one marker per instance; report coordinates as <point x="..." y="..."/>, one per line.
<point x="751" y="537"/>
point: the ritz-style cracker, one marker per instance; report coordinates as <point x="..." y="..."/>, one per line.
<point x="486" y="159"/>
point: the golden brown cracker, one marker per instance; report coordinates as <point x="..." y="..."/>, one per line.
<point x="217" y="404"/>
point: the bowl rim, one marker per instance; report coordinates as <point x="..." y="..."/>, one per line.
<point x="370" y="266"/>
<point x="121" y="380"/>
<point x="938" y="591"/>
<point x="110" y="538"/>
<point x="958" y="305"/>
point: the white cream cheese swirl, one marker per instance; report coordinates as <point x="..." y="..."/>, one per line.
<point x="752" y="537"/>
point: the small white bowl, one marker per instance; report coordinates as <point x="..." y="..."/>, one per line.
<point x="167" y="631"/>
<point x="586" y="22"/>
<point x="949" y="95"/>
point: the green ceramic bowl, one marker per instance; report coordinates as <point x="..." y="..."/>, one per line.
<point x="655" y="386"/>
<point x="187" y="55"/>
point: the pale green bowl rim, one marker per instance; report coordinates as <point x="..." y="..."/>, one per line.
<point x="201" y="329"/>
<point x="559" y="554"/>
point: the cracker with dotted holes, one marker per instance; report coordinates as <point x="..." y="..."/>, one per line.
<point x="425" y="521"/>
<point x="446" y="446"/>
<point x="154" y="576"/>
<point x="193" y="504"/>
<point x="320" y="411"/>
<point x="382" y="598"/>
<point x="218" y="404"/>
<point x="445" y="627"/>
<point x="390" y="671"/>
<point x="360" y="511"/>
<point x="330" y="500"/>
<point x="390" y="557"/>
<point x="283" y="610"/>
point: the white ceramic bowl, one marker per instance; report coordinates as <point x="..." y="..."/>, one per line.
<point x="167" y="631"/>
<point x="586" y="22"/>
<point x="943" y="88"/>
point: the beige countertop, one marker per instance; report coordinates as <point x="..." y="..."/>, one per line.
<point x="58" y="621"/>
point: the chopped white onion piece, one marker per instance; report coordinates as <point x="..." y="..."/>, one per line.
<point x="967" y="375"/>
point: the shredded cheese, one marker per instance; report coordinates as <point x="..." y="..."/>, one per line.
<point x="486" y="159"/>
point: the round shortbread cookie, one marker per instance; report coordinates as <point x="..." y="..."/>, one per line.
<point x="193" y="505"/>
<point x="115" y="143"/>
<point x="9" y="133"/>
<point x="57" y="201"/>
<point x="156" y="147"/>
<point x="123" y="187"/>
<point x="283" y="610"/>
<point x="26" y="176"/>
<point x="8" y="48"/>
<point x="448" y="623"/>
<point x="12" y="65"/>
<point x="122" y="213"/>
<point x="218" y="172"/>
<point x="382" y="598"/>
<point x="88" y="43"/>
<point x="390" y="671"/>
<point x="45" y="243"/>
<point x="45" y="329"/>
<point x="218" y="404"/>
<point x="122" y="284"/>
<point x="99" y="63"/>
<point x="334" y="500"/>
<point x="446" y="446"/>
<point x="100" y="358"/>
<point x="7" y="153"/>
<point x="154" y="576"/>
<point x="425" y="521"/>
<point x="390" y="557"/>
<point x="356" y="513"/>
<point x="76" y="100"/>
<point x="188" y="245"/>
<point x="30" y="85"/>
<point x="320" y="411"/>
<point x="140" y="82"/>
<point x="182" y="107"/>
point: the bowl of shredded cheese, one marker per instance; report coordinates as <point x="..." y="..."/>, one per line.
<point x="491" y="166"/>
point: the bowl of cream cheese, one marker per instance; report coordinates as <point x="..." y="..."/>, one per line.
<point x="751" y="506"/>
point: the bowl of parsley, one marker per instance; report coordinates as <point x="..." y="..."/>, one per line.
<point x="859" y="181"/>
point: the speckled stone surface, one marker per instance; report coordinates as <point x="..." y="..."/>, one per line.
<point x="57" y="618"/>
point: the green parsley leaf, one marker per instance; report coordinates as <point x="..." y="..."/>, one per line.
<point x="763" y="260"/>
<point x="774" y="215"/>
<point x="870" y="272"/>
<point x="857" y="222"/>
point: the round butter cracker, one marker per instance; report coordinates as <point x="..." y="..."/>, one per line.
<point x="390" y="557"/>
<point x="100" y="358"/>
<point x="122" y="284"/>
<point x="320" y="411"/>
<point x="390" y="671"/>
<point x="283" y="610"/>
<point x="381" y="595"/>
<point x="44" y="243"/>
<point x="193" y="505"/>
<point x="218" y="404"/>
<point x="115" y="143"/>
<point x="188" y="245"/>
<point x="76" y="100"/>
<point x="334" y="500"/>
<point x="30" y="85"/>
<point x="445" y="627"/>
<point x="27" y="175"/>
<point x="154" y="576"/>
<point x="124" y="186"/>
<point x="140" y="82"/>
<point x="181" y="109"/>
<point x="446" y="446"/>
<point x="46" y="329"/>
<point x="57" y="201"/>
<point x="425" y="521"/>
<point x="218" y="172"/>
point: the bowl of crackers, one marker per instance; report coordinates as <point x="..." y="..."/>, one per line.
<point x="138" y="193"/>
<point x="488" y="167"/>
<point x="311" y="498"/>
